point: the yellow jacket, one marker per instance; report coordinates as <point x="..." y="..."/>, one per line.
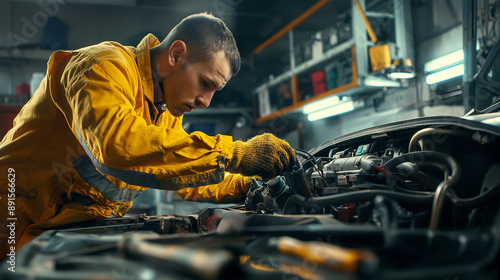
<point x="89" y="141"/>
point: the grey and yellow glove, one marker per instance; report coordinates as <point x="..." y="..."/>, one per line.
<point x="264" y="155"/>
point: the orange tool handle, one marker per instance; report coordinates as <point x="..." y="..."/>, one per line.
<point x="328" y="255"/>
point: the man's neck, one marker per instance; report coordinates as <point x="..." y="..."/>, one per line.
<point x="157" y="84"/>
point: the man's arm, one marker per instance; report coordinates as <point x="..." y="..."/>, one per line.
<point x="99" y="103"/>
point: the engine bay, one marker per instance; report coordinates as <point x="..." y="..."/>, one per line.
<point x="412" y="200"/>
<point x="451" y="169"/>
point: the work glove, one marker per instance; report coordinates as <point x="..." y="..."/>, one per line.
<point x="264" y="155"/>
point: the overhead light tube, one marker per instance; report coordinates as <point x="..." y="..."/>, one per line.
<point x="401" y="75"/>
<point x="322" y="104"/>
<point x="445" y="74"/>
<point x="337" y="109"/>
<point x="444" y="61"/>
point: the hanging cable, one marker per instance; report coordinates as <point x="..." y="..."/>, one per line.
<point x="312" y="159"/>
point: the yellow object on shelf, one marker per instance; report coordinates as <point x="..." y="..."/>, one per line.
<point x="380" y="57"/>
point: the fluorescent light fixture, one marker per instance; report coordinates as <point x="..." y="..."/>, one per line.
<point x="322" y="104"/>
<point x="444" y="61"/>
<point x="401" y="75"/>
<point x="372" y="81"/>
<point x="340" y="108"/>
<point x="445" y="74"/>
<point x="401" y="69"/>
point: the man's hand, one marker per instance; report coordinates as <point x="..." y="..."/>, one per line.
<point x="264" y="155"/>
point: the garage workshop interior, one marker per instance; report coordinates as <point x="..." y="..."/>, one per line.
<point x="250" y="139"/>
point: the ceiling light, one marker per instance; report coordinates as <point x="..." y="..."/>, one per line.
<point x="339" y="108"/>
<point x="444" y="61"/>
<point x="401" y="69"/>
<point x="445" y="74"/>
<point x="322" y="104"/>
<point x="401" y="75"/>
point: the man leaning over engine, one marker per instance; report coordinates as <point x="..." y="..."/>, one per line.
<point x="106" y="123"/>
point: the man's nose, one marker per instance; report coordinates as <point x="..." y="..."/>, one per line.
<point x="204" y="99"/>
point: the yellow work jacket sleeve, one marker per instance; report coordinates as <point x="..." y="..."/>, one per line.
<point x="233" y="188"/>
<point x="100" y="101"/>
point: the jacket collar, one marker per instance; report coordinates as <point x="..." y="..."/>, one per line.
<point x="144" y="64"/>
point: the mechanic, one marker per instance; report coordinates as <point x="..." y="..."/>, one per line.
<point x="106" y="123"/>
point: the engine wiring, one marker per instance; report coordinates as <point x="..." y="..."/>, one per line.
<point x="381" y="169"/>
<point x="449" y="166"/>
<point x="310" y="158"/>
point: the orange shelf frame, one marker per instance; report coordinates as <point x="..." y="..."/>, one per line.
<point x="290" y="26"/>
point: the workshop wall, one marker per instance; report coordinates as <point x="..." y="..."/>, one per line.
<point x="5" y="79"/>
<point x="22" y="26"/>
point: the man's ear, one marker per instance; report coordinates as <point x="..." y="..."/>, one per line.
<point x="177" y="53"/>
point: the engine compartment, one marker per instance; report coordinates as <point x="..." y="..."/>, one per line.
<point x="440" y="178"/>
<point x="416" y="199"/>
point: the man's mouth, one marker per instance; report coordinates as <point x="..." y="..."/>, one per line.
<point x="189" y="108"/>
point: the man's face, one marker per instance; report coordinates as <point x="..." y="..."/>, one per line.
<point x="193" y="84"/>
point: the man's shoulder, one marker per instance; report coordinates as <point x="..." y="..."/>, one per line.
<point x="111" y="52"/>
<point x="108" y="57"/>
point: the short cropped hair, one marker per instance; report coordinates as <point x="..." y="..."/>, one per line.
<point x="205" y="35"/>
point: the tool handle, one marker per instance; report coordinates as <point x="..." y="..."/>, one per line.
<point x="328" y="255"/>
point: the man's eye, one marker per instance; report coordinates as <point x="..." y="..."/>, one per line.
<point x="205" y="84"/>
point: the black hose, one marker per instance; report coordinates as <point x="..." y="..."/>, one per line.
<point x="356" y="196"/>
<point x="420" y="158"/>
<point x="293" y="200"/>
<point x="304" y="154"/>
<point x="370" y="186"/>
<point x="483" y="198"/>
<point x="491" y="185"/>
<point x="441" y="272"/>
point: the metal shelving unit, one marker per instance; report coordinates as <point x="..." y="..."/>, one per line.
<point x="354" y="49"/>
